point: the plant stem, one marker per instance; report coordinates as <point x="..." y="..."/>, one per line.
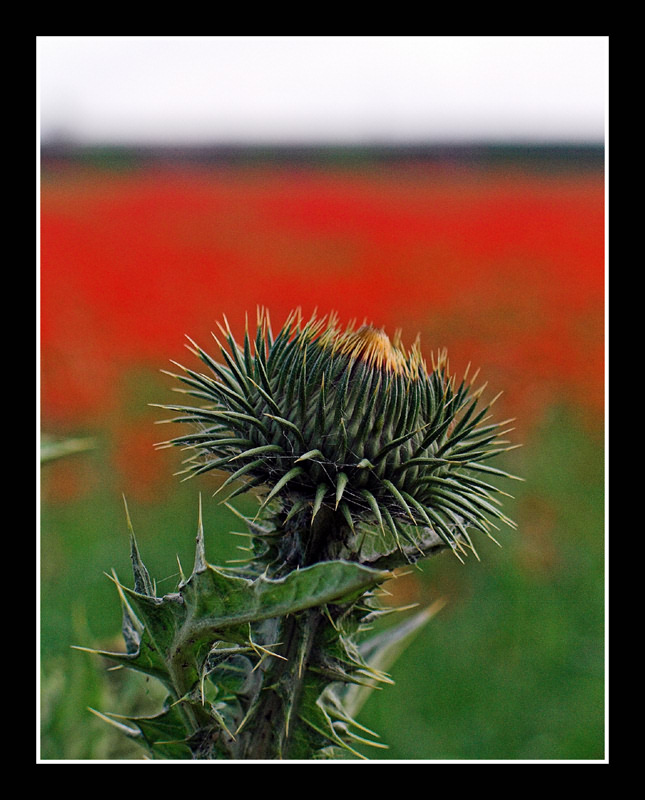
<point x="284" y="675"/>
<point x="283" y="684"/>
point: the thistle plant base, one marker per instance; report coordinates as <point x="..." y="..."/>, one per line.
<point x="364" y="461"/>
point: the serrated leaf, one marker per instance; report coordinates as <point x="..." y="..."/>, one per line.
<point x="164" y="734"/>
<point x="221" y="607"/>
<point x="381" y="651"/>
<point x="143" y="584"/>
<point x="219" y="600"/>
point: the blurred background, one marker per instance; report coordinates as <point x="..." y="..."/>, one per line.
<point x="448" y="186"/>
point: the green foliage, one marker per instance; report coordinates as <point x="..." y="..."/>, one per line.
<point x="211" y="644"/>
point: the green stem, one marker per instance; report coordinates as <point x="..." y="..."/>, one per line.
<point x="275" y="716"/>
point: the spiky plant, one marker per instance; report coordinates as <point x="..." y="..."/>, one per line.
<point x="363" y="460"/>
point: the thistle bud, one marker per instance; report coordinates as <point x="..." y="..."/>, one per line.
<point x="351" y="425"/>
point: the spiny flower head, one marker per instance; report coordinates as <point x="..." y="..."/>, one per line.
<point x="347" y="421"/>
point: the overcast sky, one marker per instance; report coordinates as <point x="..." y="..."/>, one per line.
<point x="201" y="90"/>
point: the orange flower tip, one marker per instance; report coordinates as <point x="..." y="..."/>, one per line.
<point x="372" y="346"/>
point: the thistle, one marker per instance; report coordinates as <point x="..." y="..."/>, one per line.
<point x="362" y="460"/>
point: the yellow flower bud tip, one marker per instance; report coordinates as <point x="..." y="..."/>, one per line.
<point x="372" y="346"/>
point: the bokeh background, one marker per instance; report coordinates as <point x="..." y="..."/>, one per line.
<point x="448" y="186"/>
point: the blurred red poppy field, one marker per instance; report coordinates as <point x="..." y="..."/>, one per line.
<point x="501" y="262"/>
<point x="505" y="267"/>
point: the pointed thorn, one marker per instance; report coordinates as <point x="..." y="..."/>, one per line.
<point x="200" y="554"/>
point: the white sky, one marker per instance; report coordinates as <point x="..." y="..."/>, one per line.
<point x="201" y="90"/>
